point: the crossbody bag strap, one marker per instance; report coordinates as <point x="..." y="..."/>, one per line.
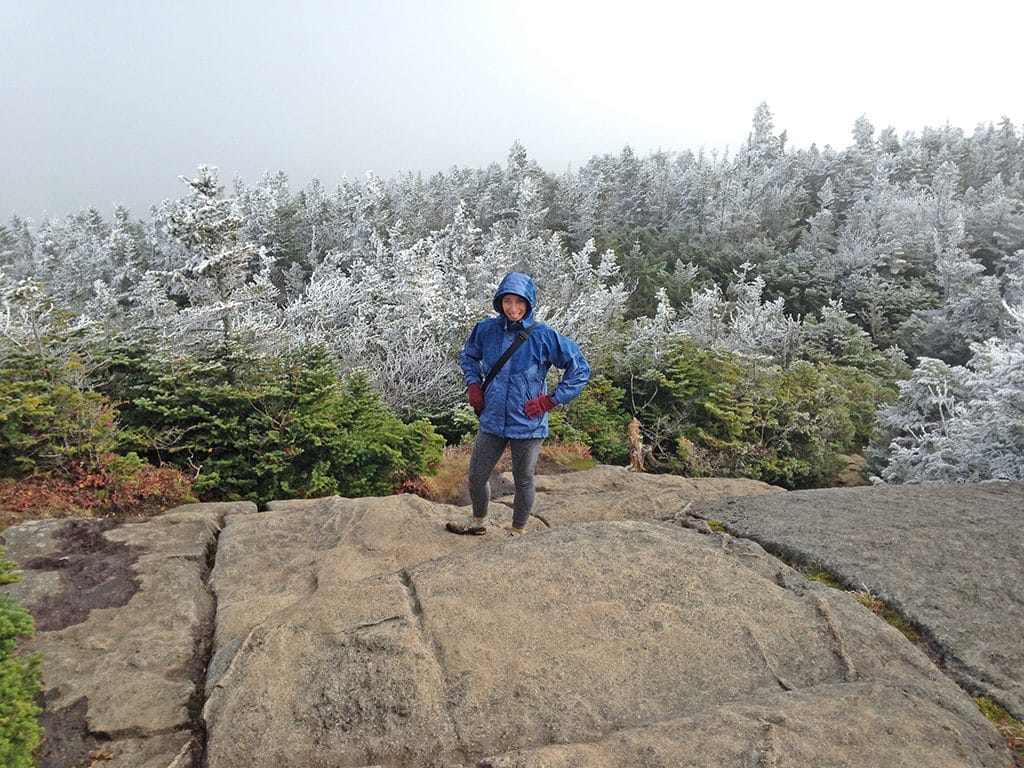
<point x="523" y="334"/>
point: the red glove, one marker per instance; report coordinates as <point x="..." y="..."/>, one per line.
<point x="476" y="397"/>
<point x="539" y="405"/>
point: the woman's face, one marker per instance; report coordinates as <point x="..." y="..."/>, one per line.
<point x="513" y="307"/>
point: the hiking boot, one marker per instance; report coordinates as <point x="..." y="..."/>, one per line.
<point x="515" y="531"/>
<point x="471" y="526"/>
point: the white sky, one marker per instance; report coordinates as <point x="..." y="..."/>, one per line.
<point x="111" y="100"/>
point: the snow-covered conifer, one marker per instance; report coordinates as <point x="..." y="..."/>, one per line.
<point x="959" y="423"/>
<point x="224" y="284"/>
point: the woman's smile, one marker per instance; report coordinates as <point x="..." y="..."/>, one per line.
<point x="514" y="307"/>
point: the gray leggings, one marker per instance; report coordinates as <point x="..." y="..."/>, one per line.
<point x="487" y="449"/>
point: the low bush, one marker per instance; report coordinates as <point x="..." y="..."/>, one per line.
<point x="709" y="412"/>
<point x="113" y="485"/>
<point x="49" y="420"/>
<point x="596" y="420"/>
<point x="20" y="681"/>
<point x="275" y="429"/>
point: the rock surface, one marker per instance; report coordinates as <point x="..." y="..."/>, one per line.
<point x="357" y="632"/>
<point x="948" y="558"/>
<point x="122" y="620"/>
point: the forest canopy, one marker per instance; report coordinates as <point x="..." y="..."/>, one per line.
<point x="760" y="313"/>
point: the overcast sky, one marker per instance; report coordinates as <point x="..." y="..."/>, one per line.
<point x="109" y="101"/>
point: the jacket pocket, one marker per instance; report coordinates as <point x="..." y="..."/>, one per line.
<point x="532" y="381"/>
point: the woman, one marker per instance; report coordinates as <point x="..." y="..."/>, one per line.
<point x="513" y="405"/>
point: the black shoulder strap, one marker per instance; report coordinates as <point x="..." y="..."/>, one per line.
<point x="506" y="355"/>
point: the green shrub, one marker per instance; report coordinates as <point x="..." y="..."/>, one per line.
<point x="48" y="419"/>
<point x="714" y="413"/>
<point x="20" y="681"/>
<point x="595" y="420"/>
<point x="58" y="441"/>
<point x="865" y="394"/>
<point x="264" y="429"/>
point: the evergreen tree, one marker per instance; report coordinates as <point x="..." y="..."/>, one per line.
<point x="225" y="288"/>
<point x="994" y="225"/>
<point x="17" y="249"/>
<point x="958" y="423"/>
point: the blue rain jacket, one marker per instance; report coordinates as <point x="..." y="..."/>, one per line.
<point x="523" y="377"/>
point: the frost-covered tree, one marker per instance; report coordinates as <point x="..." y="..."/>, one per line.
<point x="223" y="292"/>
<point x="771" y="188"/>
<point x="580" y="293"/>
<point x="741" y="320"/>
<point x="576" y="203"/>
<point x="396" y="313"/>
<point x="650" y="339"/>
<point x="1012" y="283"/>
<point x="958" y="423"/>
<point x="881" y="266"/>
<point x="519" y="196"/>
<point x="17" y="248"/>
<point x="276" y="220"/>
<point x="1009" y="156"/>
<point x="28" y="316"/>
<point x="72" y="255"/>
<point x="994" y="225"/>
<point x="402" y="312"/>
<point x="834" y="337"/>
<point x="801" y="277"/>
<point x="969" y="307"/>
<point x="855" y="169"/>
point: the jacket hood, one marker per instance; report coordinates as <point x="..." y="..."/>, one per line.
<point x="520" y="285"/>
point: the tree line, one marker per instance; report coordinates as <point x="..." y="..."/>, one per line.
<point x="759" y="313"/>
